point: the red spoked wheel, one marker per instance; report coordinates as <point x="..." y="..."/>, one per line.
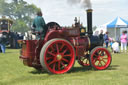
<point x="84" y="61"/>
<point x="57" y="56"/>
<point x="100" y="58"/>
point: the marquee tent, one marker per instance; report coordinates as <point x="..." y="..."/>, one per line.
<point x="114" y="27"/>
<point x="118" y="23"/>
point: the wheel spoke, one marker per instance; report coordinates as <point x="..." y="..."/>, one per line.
<point x="99" y="52"/>
<point x="65" y="60"/>
<point x="105" y="58"/>
<point x="95" y="60"/>
<point x="52" y="62"/>
<point x="48" y="58"/>
<point x="67" y="55"/>
<point x="100" y="63"/>
<point x="103" y="61"/>
<point x="62" y="47"/>
<point x="51" y="53"/>
<point x="52" y="48"/>
<point x="59" y="65"/>
<point x="57" y="47"/>
<point x="104" y="54"/>
<point x="102" y="51"/>
<point x="64" y="51"/>
<point x="95" y="55"/>
<point x="63" y="64"/>
<point x="54" y="65"/>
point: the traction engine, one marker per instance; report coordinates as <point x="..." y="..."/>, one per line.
<point x="10" y="37"/>
<point x="62" y="46"/>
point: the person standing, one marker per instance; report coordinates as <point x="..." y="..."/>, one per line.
<point x="106" y="39"/>
<point x="101" y="36"/>
<point x="123" y="40"/>
<point x="39" y="25"/>
<point x="2" y="42"/>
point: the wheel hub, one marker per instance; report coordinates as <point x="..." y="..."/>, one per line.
<point x="59" y="57"/>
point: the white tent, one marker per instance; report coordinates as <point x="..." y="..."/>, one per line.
<point x="101" y="27"/>
<point x="114" y="27"/>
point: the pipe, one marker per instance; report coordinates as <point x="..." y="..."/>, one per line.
<point x="89" y="21"/>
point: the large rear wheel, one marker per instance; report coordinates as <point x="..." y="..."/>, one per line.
<point x="100" y="58"/>
<point x="57" y="56"/>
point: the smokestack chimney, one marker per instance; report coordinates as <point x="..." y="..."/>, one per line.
<point x="89" y="21"/>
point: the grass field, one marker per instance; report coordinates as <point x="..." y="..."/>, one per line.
<point x="13" y="72"/>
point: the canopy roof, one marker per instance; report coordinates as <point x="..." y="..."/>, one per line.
<point x="6" y="19"/>
<point x="118" y="23"/>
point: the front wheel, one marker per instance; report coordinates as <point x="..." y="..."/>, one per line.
<point x="100" y="58"/>
<point x="57" y="56"/>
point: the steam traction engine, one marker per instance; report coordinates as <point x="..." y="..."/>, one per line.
<point x="62" y="46"/>
<point x="5" y="29"/>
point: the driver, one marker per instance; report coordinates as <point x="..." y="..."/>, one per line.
<point x="39" y="25"/>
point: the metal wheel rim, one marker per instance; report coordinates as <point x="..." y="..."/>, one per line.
<point x="58" y="61"/>
<point x="101" y="58"/>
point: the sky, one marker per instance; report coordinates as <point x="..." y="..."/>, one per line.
<point x="64" y="13"/>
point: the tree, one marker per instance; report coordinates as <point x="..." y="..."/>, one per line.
<point x="3" y="7"/>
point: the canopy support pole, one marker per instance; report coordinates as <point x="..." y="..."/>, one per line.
<point x="115" y="32"/>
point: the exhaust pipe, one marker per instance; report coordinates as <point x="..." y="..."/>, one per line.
<point x="89" y="22"/>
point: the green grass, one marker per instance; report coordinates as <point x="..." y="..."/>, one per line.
<point x="13" y="72"/>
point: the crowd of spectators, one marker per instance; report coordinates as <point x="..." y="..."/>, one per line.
<point x="116" y="46"/>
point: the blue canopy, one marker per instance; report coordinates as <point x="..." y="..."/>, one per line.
<point x="118" y="23"/>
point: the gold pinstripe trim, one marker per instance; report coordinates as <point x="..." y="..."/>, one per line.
<point x="89" y="42"/>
